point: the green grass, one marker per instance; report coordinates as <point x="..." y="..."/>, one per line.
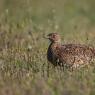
<point x="23" y="63"/>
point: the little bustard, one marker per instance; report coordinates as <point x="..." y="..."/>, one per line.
<point x="70" y="55"/>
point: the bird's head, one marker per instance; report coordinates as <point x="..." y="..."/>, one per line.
<point x="54" y="37"/>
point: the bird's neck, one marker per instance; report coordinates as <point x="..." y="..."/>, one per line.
<point x="55" y="44"/>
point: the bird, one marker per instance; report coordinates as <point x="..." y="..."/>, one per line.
<point x="68" y="55"/>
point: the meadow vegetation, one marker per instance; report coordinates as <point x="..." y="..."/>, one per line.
<point x="23" y="63"/>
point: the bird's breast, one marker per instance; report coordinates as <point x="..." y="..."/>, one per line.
<point x="52" y="53"/>
<point x="49" y="55"/>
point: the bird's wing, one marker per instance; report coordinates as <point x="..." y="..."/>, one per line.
<point x="71" y="52"/>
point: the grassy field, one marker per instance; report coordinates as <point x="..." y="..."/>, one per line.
<point x="23" y="63"/>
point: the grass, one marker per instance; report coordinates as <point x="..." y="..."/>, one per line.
<point x="23" y="63"/>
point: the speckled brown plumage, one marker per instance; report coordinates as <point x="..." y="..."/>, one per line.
<point x="72" y="55"/>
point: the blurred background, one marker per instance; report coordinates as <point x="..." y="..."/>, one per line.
<point x="43" y="15"/>
<point x="23" y="62"/>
